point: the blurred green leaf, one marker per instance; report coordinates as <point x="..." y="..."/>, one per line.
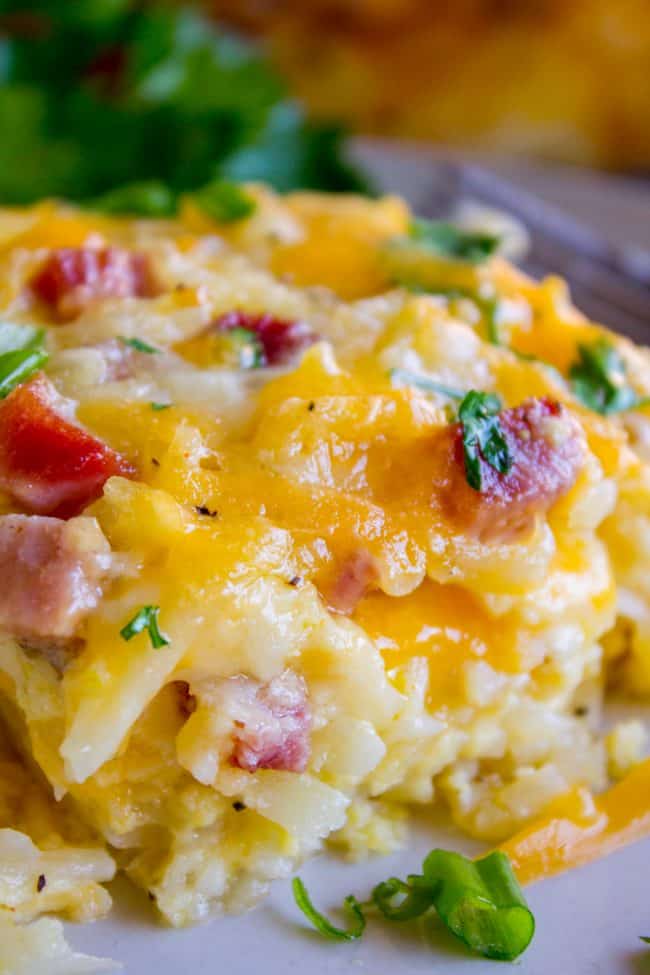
<point x="224" y="201"/>
<point x="99" y="94"/>
<point x="34" y="162"/>
<point x="292" y="153"/>
<point x="145" y="199"/>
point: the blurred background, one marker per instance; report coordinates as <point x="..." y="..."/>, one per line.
<point x="553" y="95"/>
<point x="561" y="79"/>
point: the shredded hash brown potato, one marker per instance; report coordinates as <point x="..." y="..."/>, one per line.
<point x="251" y="603"/>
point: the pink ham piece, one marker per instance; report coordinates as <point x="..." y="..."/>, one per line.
<point x="272" y="723"/>
<point x="547" y="449"/>
<point x="48" y="464"/>
<point x="51" y="575"/>
<point x="358" y="575"/>
<point x="122" y="361"/>
<point x="73" y="277"/>
<point x="280" y="340"/>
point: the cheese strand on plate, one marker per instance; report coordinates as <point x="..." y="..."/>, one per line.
<point x="578" y="828"/>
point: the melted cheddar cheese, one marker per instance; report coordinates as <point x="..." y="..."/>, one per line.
<point x="303" y="526"/>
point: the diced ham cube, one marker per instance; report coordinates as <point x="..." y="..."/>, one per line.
<point x="51" y="575"/>
<point x="272" y="730"/>
<point x="260" y="726"/>
<point x="73" y="277"/>
<point x="547" y="449"/>
<point x="48" y="464"/>
<point x="281" y="340"/>
<point x="358" y="575"/>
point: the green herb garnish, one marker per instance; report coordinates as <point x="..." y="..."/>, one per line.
<point x="644" y="938"/>
<point x="105" y="93"/>
<point x="400" y="900"/>
<point x="22" y="353"/>
<point x="403" y="377"/>
<point x="479" y="901"/>
<point x="145" y="619"/>
<point x="322" y="924"/>
<point x="242" y="347"/>
<point x="450" y="241"/>
<point x="483" y="437"/>
<point x="146" y="199"/>
<point x="599" y="379"/>
<point x="139" y="345"/>
<point x="158" y="407"/>
<point x="490" y="311"/>
<point x="488" y="307"/>
<point x="225" y="202"/>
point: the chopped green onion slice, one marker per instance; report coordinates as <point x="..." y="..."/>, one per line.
<point x="645" y="939"/>
<point x="599" y="379"/>
<point x="16" y="367"/>
<point x="403" y="377"/>
<point x="400" y="900"/>
<point x="490" y="310"/>
<point x="225" y="202"/>
<point x="139" y="345"/>
<point x="157" y="407"/>
<point x="322" y="924"/>
<point x="248" y="347"/>
<point x="21" y="354"/>
<point x="483" y="438"/>
<point x="450" y="241"/>
<point x="488" y="307"/>
<point x="481" y="902"/>
<point x="146" y="199"/>
<point x="145" y="619"/>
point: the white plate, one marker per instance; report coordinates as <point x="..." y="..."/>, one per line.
<point x="588" y="921"/>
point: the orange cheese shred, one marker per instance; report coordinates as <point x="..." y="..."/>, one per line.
<point x="579" y="827"/>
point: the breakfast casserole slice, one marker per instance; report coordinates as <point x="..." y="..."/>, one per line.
<point x="307" y="518"/>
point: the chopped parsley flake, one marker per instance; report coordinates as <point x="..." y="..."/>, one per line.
<point x="225" y="202"/>
<point x="488" y="306"/>
<point x="157" y="407"/>
<point x="139" y="345"/>
<point x="403" y="377"/>
<point x="490" y="310"/>
<point x="599" y="379"/>
<point x="146" y="619"/>
<point x="450" y="241"/>
<point x="483" y="437"/>
<point x="247" y="346"/>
